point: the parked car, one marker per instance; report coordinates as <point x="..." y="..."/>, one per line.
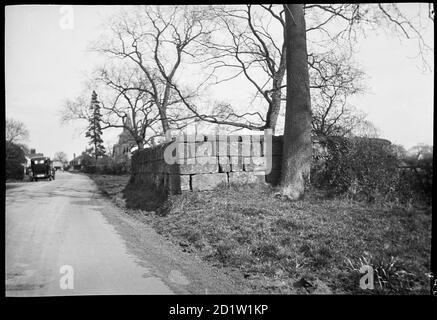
<point x="42" y="168"/>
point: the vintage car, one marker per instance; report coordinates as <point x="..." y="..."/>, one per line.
<point x="41" y="168"/>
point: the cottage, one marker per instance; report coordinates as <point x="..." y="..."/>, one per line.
<point x="76" y="163"/>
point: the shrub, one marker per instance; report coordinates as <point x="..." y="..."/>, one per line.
<point x="89" y="168"/>
<point x="14" y="170"/>
<point x="14" y="159"/>
<point x="115" y="168"/>
<point x="360" y="167"/>
<point x="415" y="184"/>
<point x="369" y="169"/>
<point x="390" y="277"/>
<point x="107" y="165"/>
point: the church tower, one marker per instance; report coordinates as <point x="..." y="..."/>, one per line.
<point x="125" y="136"/>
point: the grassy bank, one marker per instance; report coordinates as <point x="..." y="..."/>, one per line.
<point x="315" y="245"/>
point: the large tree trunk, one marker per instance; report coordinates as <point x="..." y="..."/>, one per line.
<point x="163" y="115"/>
<point x="275" y="104"/>
<point x="273" y="111"/>
<point x="140" y="144"/>
<point x="297" y="151"/>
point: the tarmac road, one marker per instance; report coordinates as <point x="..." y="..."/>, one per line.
<point x="64" y="238"/>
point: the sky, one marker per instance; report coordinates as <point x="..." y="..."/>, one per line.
<point x="46" y="62"/>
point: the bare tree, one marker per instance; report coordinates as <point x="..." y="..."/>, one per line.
<point x="253" y="45"/>
<point x="364" y="128"/>
<point x="61" y="156"/>
<point x="335" y="25"/>
<point x="256" y="50"/>
<point x="124" y="93"/>
<point x="157" y="40"/>
<point x="420" y="152"/>
<point x="76" y="109"/>
<point x="334" y="79"/>
<point x="16" y="134"/>
<point x="16" y="131"/>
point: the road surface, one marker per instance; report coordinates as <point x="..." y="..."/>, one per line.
<point x="64" y="238"/>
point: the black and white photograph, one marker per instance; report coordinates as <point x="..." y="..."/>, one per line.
<point x="218" y="149"/>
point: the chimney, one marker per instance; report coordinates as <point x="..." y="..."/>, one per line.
<point x="32" y="151"/>
<point x="74" y="155"/>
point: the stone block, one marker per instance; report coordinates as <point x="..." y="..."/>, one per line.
<point x="255" y="164"/>
<point x="185" y="182"/>
<point x="222" y="148"/>
<point x="236" y="163"/>
<point x="224" y="164"/>
<point x="246" y="143"/>
<point x="206" y="160"/>
<point x="206" y="149"/>
<point x="235" y="160"/>
<point x="245" y="177"/>
<point x="177" y="183"/>
<point x="234" y="148"/>
<point x="195" y="137"/>
<point x="220" y="137"/>
<point x="199" y="168"/>
<point x="257" y="148"/>
<point x="223" y="160"/>
<point x="193" y="149"/>
<point x="202" y="182"/>
<point x="193" y="168"/>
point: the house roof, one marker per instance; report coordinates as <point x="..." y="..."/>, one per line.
<point x="79" y="157"/>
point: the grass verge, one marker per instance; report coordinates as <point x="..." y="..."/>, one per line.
<point x="315" y="245"/>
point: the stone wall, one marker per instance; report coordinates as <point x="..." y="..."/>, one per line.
<point x="207" y="161"/>
<point x="204" y="162"/>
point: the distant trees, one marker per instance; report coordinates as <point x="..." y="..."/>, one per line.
<point x="88" y="158"/>
<point x="16" y="134"/>
<point x="333" y="80"/>
<point x="420" y="154"/>
<point x="16" y="131"/>
<point x="15" y="160"/>
<point x="123" y="94"/>
<point x="15" y="150"/>
<point x="16" y="154"/>
<point x="94" y="131"/>
<point x="61" y="157"/>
